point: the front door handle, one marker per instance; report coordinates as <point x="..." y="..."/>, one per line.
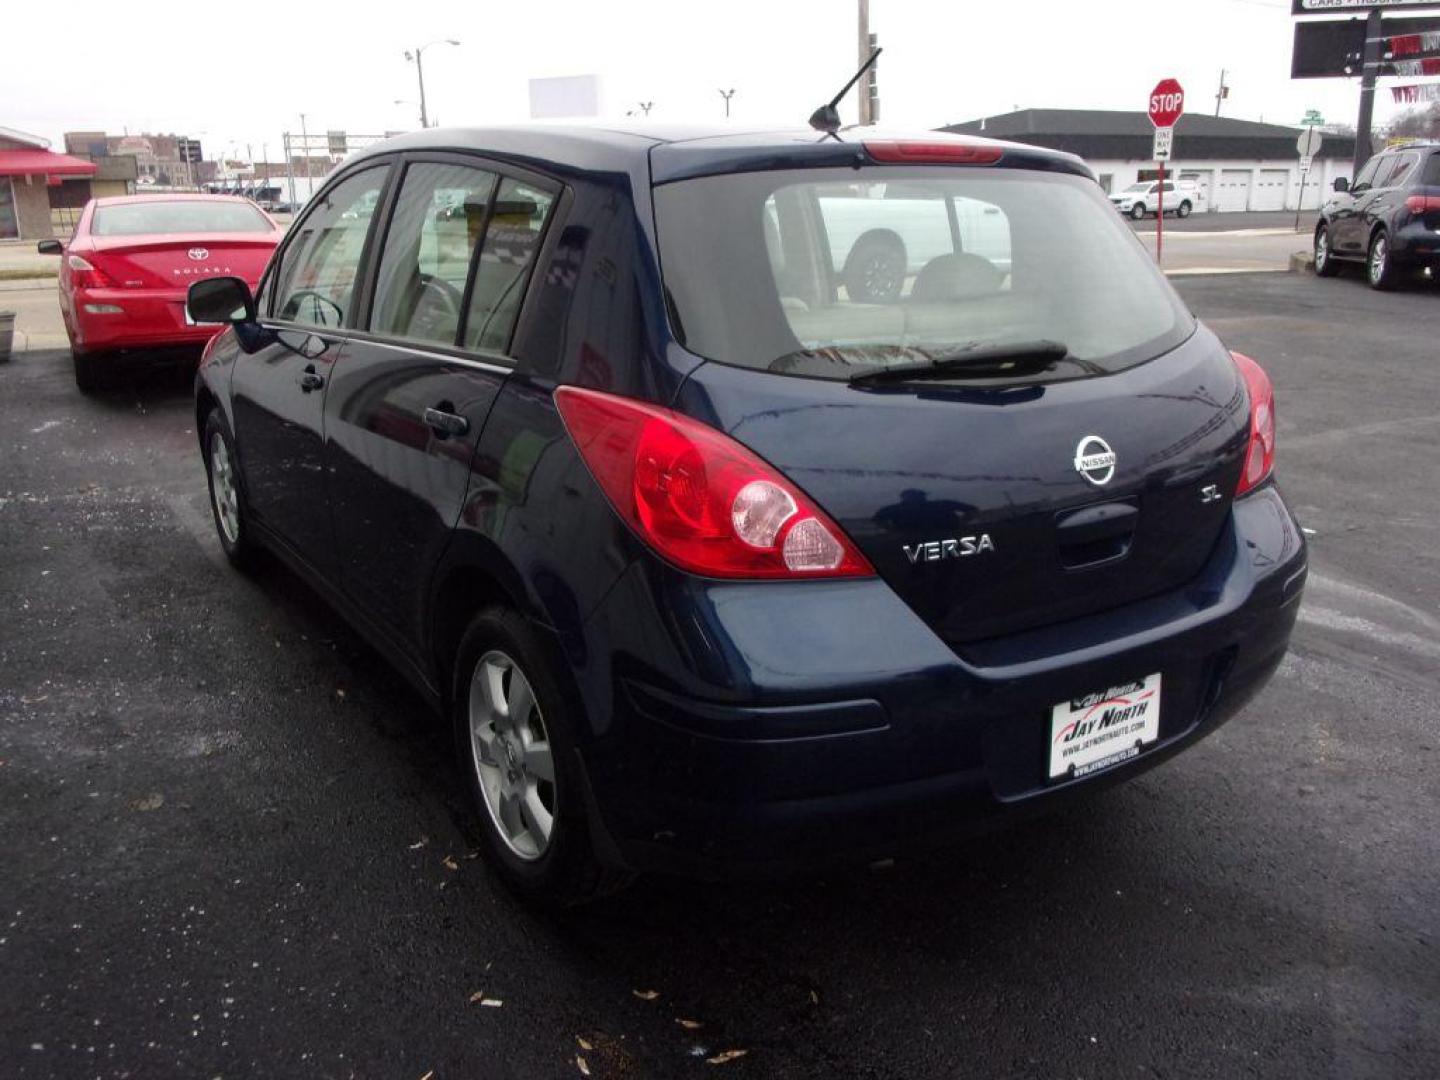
<point x="444" y="423"/>
<point x="310" y="380"/>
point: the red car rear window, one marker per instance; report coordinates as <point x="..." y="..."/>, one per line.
<point x="177" y="216"/>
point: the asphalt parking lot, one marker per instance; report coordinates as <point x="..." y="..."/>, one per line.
<point x="235" y="845"/>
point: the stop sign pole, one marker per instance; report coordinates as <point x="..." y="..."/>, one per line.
<point x="1167" y="104"/>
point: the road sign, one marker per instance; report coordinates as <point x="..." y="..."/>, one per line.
<point x="1305" y="163"/>
<point x="1167" y="102"/>
<point x="1164" y="138"/>
<point x="1313" y="118"/>
<point x="1308" y="145"/>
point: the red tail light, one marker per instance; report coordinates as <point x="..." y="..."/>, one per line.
<point x="914" y="152"/>
<point x="699" y="498"/>
<point x="1419" y="204"/>
<point x="1260" y="451"/>
<point x="86" y="275"/>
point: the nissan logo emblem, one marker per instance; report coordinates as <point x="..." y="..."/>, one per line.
<point x="198" y="254"/>
<point x="1094" y="460"/>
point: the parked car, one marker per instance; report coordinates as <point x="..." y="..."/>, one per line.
<point x="1143" y="198"/>
<point x="712" y="566"/>
<point x="126" y="269"/>
<point x="880" y="243"/>
<point x="1389" y="219"/>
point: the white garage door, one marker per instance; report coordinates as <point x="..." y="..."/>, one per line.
<point x="1234" y="189"/>
<point x="1270" y="190"/>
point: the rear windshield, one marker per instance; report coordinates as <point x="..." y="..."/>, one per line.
<point x="177" y="216"/>
<point x="820" y="273"/>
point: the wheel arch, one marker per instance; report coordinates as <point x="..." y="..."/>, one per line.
<point x="474" y="575"/>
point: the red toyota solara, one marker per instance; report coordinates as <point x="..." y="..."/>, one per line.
<point x="126" y="270"/>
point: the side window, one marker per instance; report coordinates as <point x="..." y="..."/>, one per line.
<point x="506" y="257"/>
<point x="439" y="219"/>
<point x="1404" y="166"/>
<point x="1168" y="188"/>
<point x="1431" y="178"/>
<point x="316" y="281"/>
<point x="1367" y="174"/>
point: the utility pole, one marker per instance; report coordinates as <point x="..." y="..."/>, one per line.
<point x="1222" y="93"/>
<point x="869" y="94"/>
<point x="305" y="145"/>
<point x="420" y="73"/>
<point x="727" y="95"/>
<point x="1370" y="67"/>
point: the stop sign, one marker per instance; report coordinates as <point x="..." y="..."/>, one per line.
<point x="1167" y="102"/>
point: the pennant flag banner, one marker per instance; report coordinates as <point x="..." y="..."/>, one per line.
<point x="1417" y="67"/>
<point x="1409" y="95"/>
<point x="1410" y="44"/>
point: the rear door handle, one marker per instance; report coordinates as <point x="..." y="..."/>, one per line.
<point x="445" y="424"/>
<point x="310" y="380"/>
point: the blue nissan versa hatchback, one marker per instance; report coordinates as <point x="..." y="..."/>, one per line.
<point x="754" y="500"/>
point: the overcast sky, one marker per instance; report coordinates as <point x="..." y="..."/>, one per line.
<point x="241" y="74"/>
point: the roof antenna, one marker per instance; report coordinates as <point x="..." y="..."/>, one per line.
<point x="827" y="117"/>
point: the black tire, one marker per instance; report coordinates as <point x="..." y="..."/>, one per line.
<point x="566" y="872"/>
<point x="1184" y="209"/>
<point x="1380" y="269"/>
<point x="1326" y="265"/>
<point x="234" y="537"/>
<point x="875" y="269"/>
<point x="1137" y="211"/>
<point x="87" y="371"/>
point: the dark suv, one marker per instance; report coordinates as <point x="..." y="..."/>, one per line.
<point x="1389" y="218"/>
<point x="713" y="565"/>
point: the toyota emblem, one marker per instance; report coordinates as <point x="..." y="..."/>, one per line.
<point x="1094" y="460"/>
<point x="198" y="254"/>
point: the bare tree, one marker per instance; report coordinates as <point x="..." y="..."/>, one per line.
<point x="1422" y="122"/>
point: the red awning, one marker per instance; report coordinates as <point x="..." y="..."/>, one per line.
<point x="42" y="163"/>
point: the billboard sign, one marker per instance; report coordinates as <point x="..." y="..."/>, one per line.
<point x="566" y="96"/>
<point x="1323" y="7"/>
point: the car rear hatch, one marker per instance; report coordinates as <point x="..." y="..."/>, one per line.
<point x="992" y="501"/>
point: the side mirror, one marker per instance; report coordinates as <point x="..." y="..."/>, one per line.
<point x="1341" y="184"/>
<point x="220" y="300"/>
<point x="50" y="247"/>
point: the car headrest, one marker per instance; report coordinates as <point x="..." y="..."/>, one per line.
<point x="961" y="276"/>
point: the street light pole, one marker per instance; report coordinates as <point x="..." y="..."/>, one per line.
<point x="727" y="95"/>
<point x="418" y="57"/>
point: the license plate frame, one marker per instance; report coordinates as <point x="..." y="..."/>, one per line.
<point x="1099" y="730"/>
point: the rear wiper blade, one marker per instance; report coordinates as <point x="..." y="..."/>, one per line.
<point x="980" y="361"/>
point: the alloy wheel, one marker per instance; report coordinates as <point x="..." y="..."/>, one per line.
<point x="222" y="489"/>
<point x="1322" y="249"/>
<point x="511" y="752"/>
<point x="1379" y="254"/>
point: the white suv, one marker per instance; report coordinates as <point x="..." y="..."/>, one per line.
<point x="1144" y="198"/>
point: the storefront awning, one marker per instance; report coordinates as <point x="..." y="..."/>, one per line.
<point x="43" y="163"/>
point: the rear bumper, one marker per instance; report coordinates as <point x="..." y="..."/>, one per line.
<point x="146" y="318"/>
<point x="794" y="725"/>
<point x="1415" y="242"/>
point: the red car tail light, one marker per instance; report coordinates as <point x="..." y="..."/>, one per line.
<point x="1260" y="449"/>
<point x="917" y="152"/>
<point x="1419" y="204"/>
<point x="699" y="498"/>
<point x="86" y="275"/>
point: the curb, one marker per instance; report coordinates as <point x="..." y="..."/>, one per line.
<point x="1302" y="262"/>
